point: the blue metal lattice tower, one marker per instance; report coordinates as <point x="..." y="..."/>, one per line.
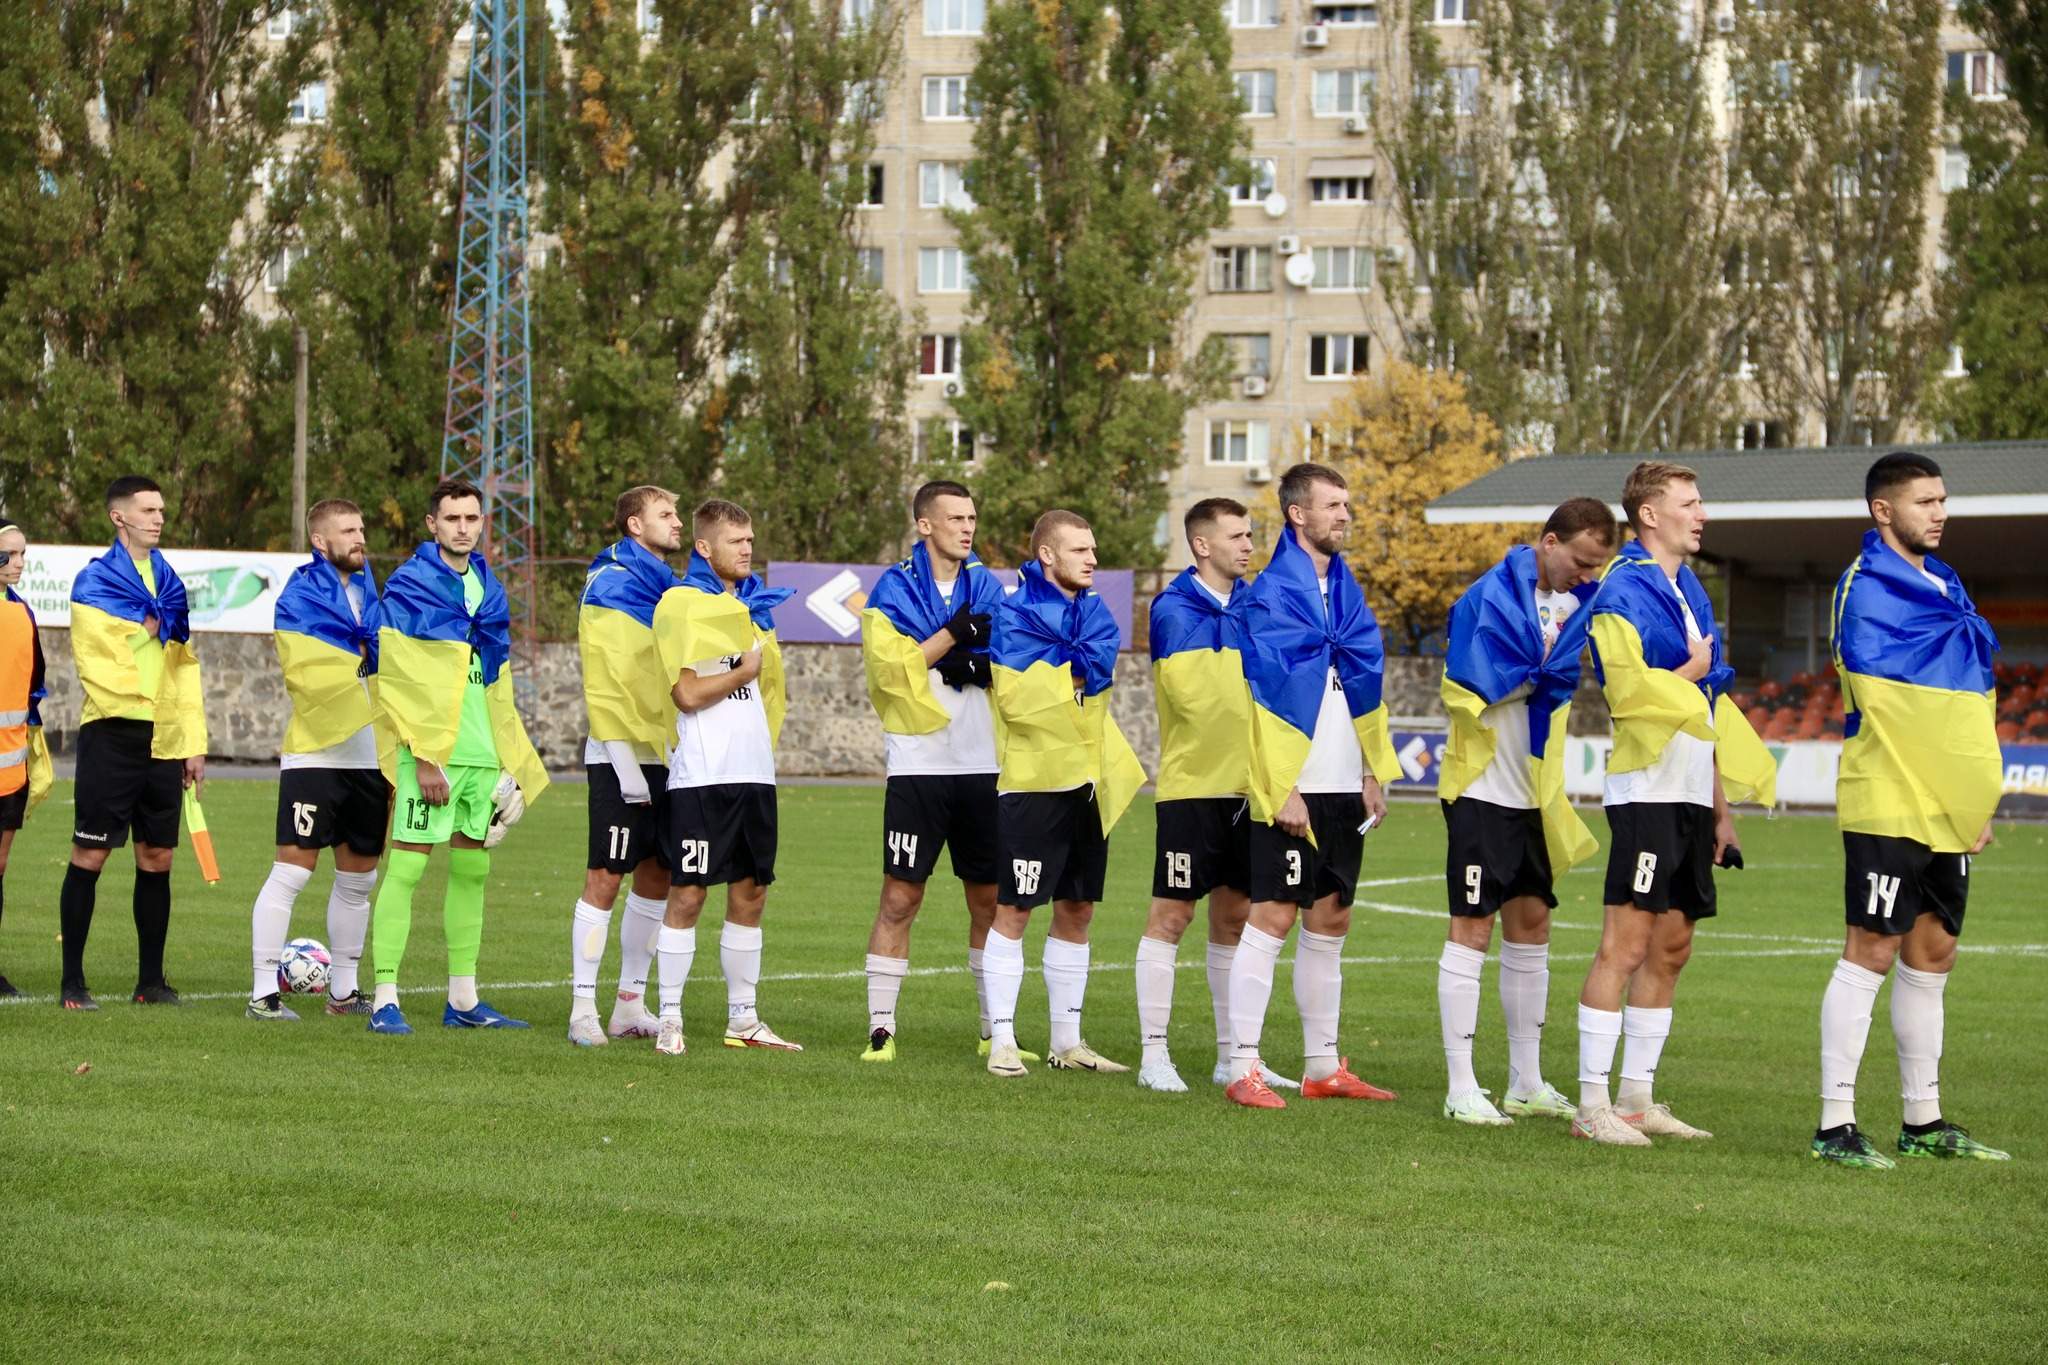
<point x="488" y="438"/>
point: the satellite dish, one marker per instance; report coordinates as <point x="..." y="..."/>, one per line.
<point x="1300" y="270"/>
<point x="1276" y="205"/>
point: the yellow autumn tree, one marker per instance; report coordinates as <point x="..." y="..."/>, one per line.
<point x="1402" y="437"/>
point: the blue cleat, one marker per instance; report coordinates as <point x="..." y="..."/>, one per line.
<point x="481" y="1016"/>
<point x="389" y="1019"/>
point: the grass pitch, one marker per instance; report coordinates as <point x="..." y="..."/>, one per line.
<point x="218" y="1189"/>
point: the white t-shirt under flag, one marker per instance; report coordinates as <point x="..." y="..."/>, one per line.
<point x="1506" y="781"/>
<point x="1336" y="760"/>
<point x="1684" y="772"/>
<point x="966" y="745"/>
<point x="359" y="751"/>
<point x="725" y="742"/>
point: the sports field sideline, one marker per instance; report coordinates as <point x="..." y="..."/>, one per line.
<point x="192" y="1185"/>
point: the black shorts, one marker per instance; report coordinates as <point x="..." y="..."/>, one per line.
<point x="121" y="788"/>
<point x="1284" y="868"/>
<point x="1888" y="883"/>
<point x="328" y="807"/>
<point x="957" y="810"/>
<point x="1202" y="843"/>
<point x="1660" y="856"/>
<point x="1051" y="847"/>
<point x="624" y="835"/>
<point x="1494" y="854"/>
<point x="721" y="834"/>
<point x="14" y="808"/>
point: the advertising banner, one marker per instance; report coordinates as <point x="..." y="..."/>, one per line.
<point x="829" y="598"/>
<point x="230" y="590"/>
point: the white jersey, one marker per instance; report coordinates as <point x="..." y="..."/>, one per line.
<point x="359" y="751"/>
<point x="966" y="745"/>
<point x="725" y="742"/>
<point x="1506" y="781"/>
<point x="1684" y="772"/>
<point x="1336" y="760"/>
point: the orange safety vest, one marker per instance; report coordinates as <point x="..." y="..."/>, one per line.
<point x="17" y="672"/>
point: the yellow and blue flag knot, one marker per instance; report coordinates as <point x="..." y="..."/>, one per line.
<point x="423" y="601"/>
<point x="627" y="579"/>
<point x="904" y="610"/>
<point x="315" y="604"/>
<point x="112" y="584"/>
<point x="1891" y="623"/>
<point x="752" y="592"/>
<point x="1185" y="616"/>
<point x="1037" y="624"/>
<point x="908" y="596"/>
<point x="1634" y="588"/>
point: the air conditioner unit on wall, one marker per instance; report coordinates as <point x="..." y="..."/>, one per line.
<point x="1289" y="245"/>
<point x="1255" y="386"/>
<point x="1724" y="23"/>
<point x="1316" y="35"/>
<point x="1357" y="123"/>
<point x="1258" y="473"/>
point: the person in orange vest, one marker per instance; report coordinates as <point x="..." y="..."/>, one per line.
<point x="24" y="759"/>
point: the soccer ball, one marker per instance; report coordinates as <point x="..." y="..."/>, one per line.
<point x="305" y="968"/>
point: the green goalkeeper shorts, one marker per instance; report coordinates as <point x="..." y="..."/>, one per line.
<point x="467" y="812"/>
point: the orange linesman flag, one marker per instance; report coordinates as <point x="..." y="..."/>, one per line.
<point x="202" y="839"/>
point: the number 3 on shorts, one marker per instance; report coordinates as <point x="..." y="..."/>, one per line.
<point x="1646" y="873"/>
<point x="1294" y="867"/>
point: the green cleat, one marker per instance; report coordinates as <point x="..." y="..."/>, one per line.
<point x="1547" y="1103"/>
<point x="1846" y="1146"/>
<point x="1947" y="1140"/>
<point x="881" y="1047"/>
<point x="989" y="1043"/>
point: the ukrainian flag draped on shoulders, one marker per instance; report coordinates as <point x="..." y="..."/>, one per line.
<point x="325" y="653"/>
<point x="109" y="602"/>
<point x="904" y="610"/>
<point x="698" y="620"/>
<point x="1290" y="644"/>
<point x="625" y="696"/>
<point x="1198" y="686"/>
<point x="1920" y="755"/>
<point x="1053" y="733"/>
<point x="1494" y="649"/>
<point x="1639" y="640"/>
<point x="424" y="638"/>
<point x="32" y="768"/>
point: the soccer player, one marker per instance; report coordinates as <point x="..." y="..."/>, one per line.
<point x="1920" y="778"/>
<point x="141" y="733"/>
<point x="716" y="636"/>
<point x="1681" y="753"/>
<point x="1203" y="834"/>
<point x="1512" y="664"/>
<point x="924" y="644"/>
<point x="452" y="738"/>
<point x="25" y="772"/>
<point x="330" y="793"/>
<point x="627" y="707"/>
<point x="1320" y="752"/>
<point x="1067" y="775"/>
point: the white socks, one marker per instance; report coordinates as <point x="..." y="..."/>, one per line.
<point x="885" y="980"/>
<point x="1599" y="1035"/>
<point x="1845" y="1010"/>
<point x="1318" y="994"/>
<point x="1457" y="1007"/>
<point x="1646" y="1030"/>
<point x="638" y="929"/>
<point x="1155" y="996"/>
<point x="1220" y="957"/>
<point x="739" y="957"/>
<point x="1002" y="968"/>
<point x="975" y="958"/>
<point x="586" y="954"/>
<point x="1251" y="990"/>
<point x="677" y="949"/>
<point x="270" y="921"/>
<point x="386" y="993"/>
<point x="1524" y="999"/>
<point x="1066" y="984"/>
<point x="1917" y="1022"/>
<point x="462" y="992"/>
<point x="348" y="926"/>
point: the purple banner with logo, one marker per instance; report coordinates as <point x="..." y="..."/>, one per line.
<point x="829" y="598"/>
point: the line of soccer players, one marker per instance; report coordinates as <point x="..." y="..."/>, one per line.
<point x="1274" y="754"/>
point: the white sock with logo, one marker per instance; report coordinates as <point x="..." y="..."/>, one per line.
<point x="1524" y="1000"/>
<point x="639" y="927"/>
<point x="587" y="933"/>
<point x="270" y="921"/>
<point x="1002" y="966"/>
<point x="885" y="982"/>
<point x="1645" y="1031"/>
<point x="739" y="957"/>
<point x="1155" y="996"/>
<point x="677" y="949"/>
<point x="1457" y="1007"/>
<point x="1319" y="995"/>
<point x="1066" y="985"/>
<point x="348" y="928"/>
<point x="1845" y="1010"/>
<point x="976" y="957"/>
<point x="1599" y="1036"/>
<point x="1917" y="1019"/>
<point x="1251" y="990"/>
<point x="1221" y="955"/>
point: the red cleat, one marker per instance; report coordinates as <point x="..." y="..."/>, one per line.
<point x="1251" y="1091"/>
<point x="1342" y="1086"/>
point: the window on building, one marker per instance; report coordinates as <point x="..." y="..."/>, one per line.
<point x="945" y="440"/>
<point x="650" y="20"/>
<point x="945" y="99"/>
<point x="1955" y="170"/>
<point x="873" y="178"/>
<point x="1956" y="368"/>
<point x="1251" y="353"/>
<point x="1240" y="442"/>
<point x="943" y="185"/>
<point x="1340" y="189"/>
<point x="1345" y="15"/>
<point x="953" y="16"/>
<point x="865" y="102"/>
<point x="281" y="24"/>
<point x="1980" y="75"/>
<point x="282" y="264"/>
<point x="1240" y="269"/>
<point x="1251" y="13"/>
<point x="1260" y="93"/>
<point x="1337" y="93"/>
<point x="1265" y="174"/>
<point x="1455" y="11"/>
<point x="1760" y="433"/>
<point x="1342" y="268"/>
<point x="943" y="270"/>
<point x="1335" y="355"/>
<point x="1868" y="83"/>
<point x="856" y="12"/>
<point x="309" y="105"/>
<point x="871" y="265"/>
<point x="938" y="355"/>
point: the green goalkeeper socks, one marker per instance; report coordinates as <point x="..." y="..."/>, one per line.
<point x="391" y="921"/>
<point x="462" y="912"/>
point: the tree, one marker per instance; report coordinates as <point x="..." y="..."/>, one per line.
<point x="1107" y="132"/>
<point x="132" y="133"/>
<point x="815" y="441"/>
<point x="1401" y="438"/>
<point x="1834" y="111"/>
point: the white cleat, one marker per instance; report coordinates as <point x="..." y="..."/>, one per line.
<point x="1004" y="1059"/>
<point x="1082" y="1057"/>
<point x="1221" y="1076"/>
<point x="758" y="1034"/>
<point x="1475" y="1108"/>
<point x="1657" y="1121"/>
<point x="631" y="1020"/>
<point x="670" y="1041"/>
<point x="585" y="1031"/>
<point x="1605" y="1126"/>
<point x="1163" y="1077"/>
<point x="1545" y="1103"/>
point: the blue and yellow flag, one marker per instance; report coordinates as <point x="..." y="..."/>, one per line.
<point x="1199" y="689"/>
<point x="1290" y="644"/>
<point x="1920" y="755"/>
<point x="1495" y="648"/>
<point x="425" y="636"/>
<point x="904" y="610"/>
<point x="126" y="673"/>
<point x="326" y="653"/>
<point x="699" y="620"/>
<point x="1639" y="640"/>
<point x="1054" y="663"/>
<point x="625" y="697"/>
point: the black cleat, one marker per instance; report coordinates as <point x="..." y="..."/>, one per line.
<point x="8" y="988"/>
<point x="78" y="998"/>
<point x="157" y="993"/>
